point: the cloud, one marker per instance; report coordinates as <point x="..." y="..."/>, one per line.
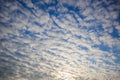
<point x="36" y="44"/>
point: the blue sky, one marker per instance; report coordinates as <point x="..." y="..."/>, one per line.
<point x="59" y="40"/>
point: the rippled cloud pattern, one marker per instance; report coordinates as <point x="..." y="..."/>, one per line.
<point x="59" y="39"/>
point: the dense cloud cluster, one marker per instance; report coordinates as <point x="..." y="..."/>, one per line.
<point x="59" y="39"/>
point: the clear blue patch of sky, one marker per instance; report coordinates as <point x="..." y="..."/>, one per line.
<point x="27" y="32"/>
<point x="75" y="9"/>
<point x="115" y="33"/>
<point x="53" y="12"/>
<point x="118" y="19"/>
<point x="70" y="7"/>
<point x="40" y="4"/>
<point x="102" y="47"/>
<point x="116" y="53"/>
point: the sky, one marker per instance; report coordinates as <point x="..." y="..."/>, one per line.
<point x="59" y="39"/>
